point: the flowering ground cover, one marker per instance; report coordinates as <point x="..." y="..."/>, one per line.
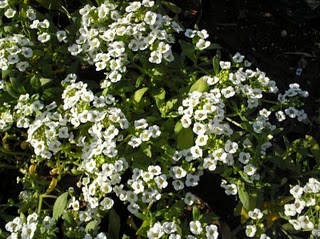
<point x="120" y="121"/>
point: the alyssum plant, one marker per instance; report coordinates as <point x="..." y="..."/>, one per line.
<point x="154" y="111"/>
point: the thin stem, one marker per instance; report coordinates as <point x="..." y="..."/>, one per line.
<point x="234" y="122"/>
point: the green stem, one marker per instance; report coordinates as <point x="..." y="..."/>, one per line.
<point x="41" y="197"/>
<point x="234" y="122"/>
<point x="6" y="166"/>
<point x="3" y="150"/>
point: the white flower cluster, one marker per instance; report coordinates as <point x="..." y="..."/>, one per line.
<point x="143" y="132"/>
<point x="158" y="230"/>
<point x="6" y="118"/>
<point x="291" y="95"/>
<point x="15" y="51"/>
<point x="27" y="227"/>
<point x="199" y="38"/>
<point x="108" y="37"/>
<point x="51" y="128"/>
<point x="306" y="204"/>
<point x="144" y="187"/>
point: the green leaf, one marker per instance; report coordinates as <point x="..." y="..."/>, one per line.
<point x="196" y="215"/>
<point x="176" y="210"/>
<point x="114" y="224"/>
<point x="178" y="127"/>
<point x="172" y="7"/>
<point x="200" y="85"/>
<point x="185" y="138"/>
<point x="159" y="98"/>
<point x="314" y="147"/>
<point x="214" y="46"/>
<point x="142" y="231"/>
<point x="59" y="206"/>
<point x="91" y="226"/>
<point x="243" y="196"/>
<point x="146" y="149"/>
<point x="188" y="50"/>
<point x="35" y="82"/>
<point x="216" y="64"/>
<point x="44" y="81"/>
<point x="137" y="96"/>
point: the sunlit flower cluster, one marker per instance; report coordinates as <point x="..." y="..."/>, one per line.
<point x="90" y="148"/>
<point x="15" y="51"/>
<point x="306" y="204"/>
<point x="109" y="38"/>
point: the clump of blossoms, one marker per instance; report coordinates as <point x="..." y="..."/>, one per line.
<point x="111" y="38"/>
<point x="304" y="211"/>
<point x="129" y="149"/>
<point x="15" y="52"/>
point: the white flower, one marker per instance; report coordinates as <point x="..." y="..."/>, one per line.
<point x="178" y="185"/>
<point x="202" y="140"/>
<point x="156" y="231"/>
<point x="211" y="232"/>
<point x="237" y="58"/>
<point x="9" y="13"/>
<point x="63" y="132"/>
<point x="62" y="36"/>
<point x="203" y="34"/>
<point x="210" y="164"/>
<point x="189" y="198"/>
<point x="141" y="124"/>
<point x="231" y="147"/>
<point x="249" y="169"/>
<point x="3" y="4"/>
<point x="28" y="230"/>
<point x="150" y="18"/>
<point x="103" y="11"/>
<point x="280" y="115"/>
<point x="299" y="205"/>
<point x="134" y="6"/>
<point x="31" y="14"/>
<point x="305" y="222"/>
<point x="196" y="152"/>
<point x="244" y="157"/>
<point x="178" y="172"/>
<point x="155" y="57"/>
<point x="195" y="227"/>
<point x="202" y="44"/>
<point x="107" y="203"/>
<point x="228" y="92"/>
<point x="44" y="24"/>
<point x="251" y="230"/>
<point x="190" y="33"/>
<point x="290" y="210"/>
<point x="291" y="112"/>
<point x="192" y="180"/>
<point x="15" y="225"/>
<point x="44" y="37"/>
<point x="47" y="222"/>
<point x="26" y="52"/>
<point x="22" y="65"/>
<point x="255" y="214"/>
<point x="211" y="80"/>
<point x="185" y="121"/>
<point x="230" y="189"/>
<point x="74" y="49"/>
<point x="225" y="65"/>
<point x="264" y="236"/>
<point x="296" y="191"/>
<point x="169" y="227"/>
